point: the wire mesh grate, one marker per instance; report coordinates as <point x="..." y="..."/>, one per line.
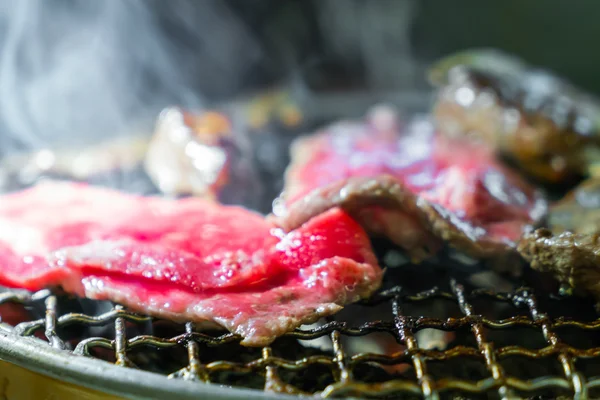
<point x="126" y="339"/>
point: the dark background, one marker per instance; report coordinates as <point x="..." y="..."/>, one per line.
<point x="368" y="41"/>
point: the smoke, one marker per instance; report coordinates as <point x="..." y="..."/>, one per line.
<point x="75" y="71"/>
<point x="375" y="35"/>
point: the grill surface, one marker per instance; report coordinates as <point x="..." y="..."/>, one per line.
<point x="478" y="363"/>
<point x="523" y="343"/>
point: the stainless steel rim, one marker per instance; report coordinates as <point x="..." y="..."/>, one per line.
<point x="37" y="356"/>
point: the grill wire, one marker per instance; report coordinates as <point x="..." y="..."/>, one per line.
<point x="219" y="359"/>
<point x="538" y="347"/>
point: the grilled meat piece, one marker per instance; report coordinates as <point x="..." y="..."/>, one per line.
<point x="198" y="154"/>
<point x="187" y="259"/>
<point x="413" y="187"/>
<point x="544" y="124"/>
<point x="578" y="211"/>
<point x="573" y="259"/>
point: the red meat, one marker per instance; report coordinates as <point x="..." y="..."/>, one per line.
<point x="188" y="259"/>
<point x="410" y="185"/>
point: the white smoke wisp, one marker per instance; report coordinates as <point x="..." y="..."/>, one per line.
<point x="376" y="36"/>
<point x="75" y="71"/>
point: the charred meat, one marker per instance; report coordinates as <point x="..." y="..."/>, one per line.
<point x="187" y="259"/>
<point x="410" y="185"/>
<point x="545" y="125"/>
<point x="573" y="259"/>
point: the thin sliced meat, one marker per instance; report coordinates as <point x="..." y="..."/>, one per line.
<point x="410" y="185"/>
<point x="260" y="315"/>
<point x="54" y="215"/>
<point x="188" y="259"/>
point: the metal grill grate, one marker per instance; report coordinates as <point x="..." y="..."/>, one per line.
<point x="209" y="358"/>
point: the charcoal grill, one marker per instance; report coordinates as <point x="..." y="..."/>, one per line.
<point x="523" y="343"/>
<point x="46" y="345"/>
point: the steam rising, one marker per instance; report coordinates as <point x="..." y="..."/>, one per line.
<point x="374" y="34"/>
<point x="72" y="72"/>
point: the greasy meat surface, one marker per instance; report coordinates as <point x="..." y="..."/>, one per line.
<point x="410" y="185"/>
<point x="197" y="154"/>
<point x="578" y="211"/>
<point x="573" y="259"/>
<point x="187" y="259"/>
<point x="544" y="124"/>
<point x="569" y="248"/>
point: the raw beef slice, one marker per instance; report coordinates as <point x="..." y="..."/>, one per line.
<point x="187" y="259"/>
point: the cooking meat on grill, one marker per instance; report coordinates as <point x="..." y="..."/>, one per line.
<point x="544" y="124"/>
<point x="197" y="154"/>
<point x="187" y="259"/>
<point x="410" y="185"/>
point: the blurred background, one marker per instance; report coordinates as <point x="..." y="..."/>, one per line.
<point x="72" y="70"/>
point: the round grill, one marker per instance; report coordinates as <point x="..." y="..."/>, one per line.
<point x="530" y="353"/>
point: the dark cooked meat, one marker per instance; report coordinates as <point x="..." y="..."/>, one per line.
<point x="187" y="259"/>
<point x="573" y="259"/>
<point x="569" y="248"/>
<point x="187" y="156"/>
<point x="197" y="154"/>
<point x="578" y="211"/>
<point x="414" y="187"/>
<point x="81" y="163"/>
<point x="541" y="122"/>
